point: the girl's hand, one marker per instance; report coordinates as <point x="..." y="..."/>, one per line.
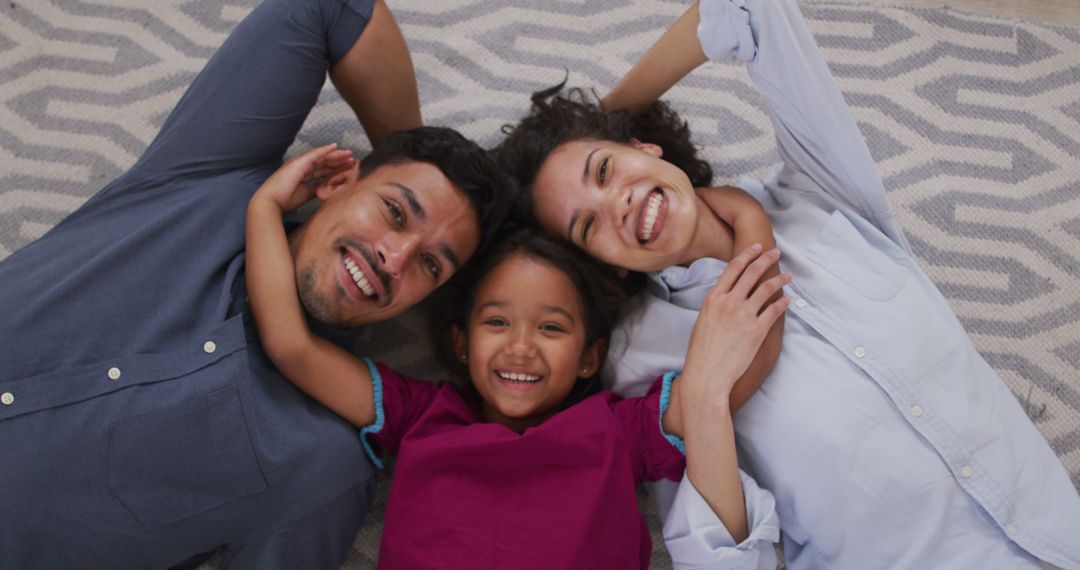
<point x="734" y="318"/>
<point x="295" y="183"/>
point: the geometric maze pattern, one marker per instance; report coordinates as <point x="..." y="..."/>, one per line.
<point x="974" y="123"/>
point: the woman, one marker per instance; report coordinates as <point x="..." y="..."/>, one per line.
<point x="881" y="431"/>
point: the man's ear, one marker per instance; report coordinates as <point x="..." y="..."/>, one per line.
<point x="337" y="182"/>
<point x="650" y="148"/>
<point x="461" y="344"/>
<point x="590" y="358"/>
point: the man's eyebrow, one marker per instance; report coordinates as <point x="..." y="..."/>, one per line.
<point x="449" y="254"/>
<point x="410" y="197"/>
<point x="585" y="172"/>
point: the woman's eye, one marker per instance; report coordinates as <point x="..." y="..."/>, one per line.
<point x="396" y="213"/>
<point x="601" y="173"/>
<point x="586" y="227"/>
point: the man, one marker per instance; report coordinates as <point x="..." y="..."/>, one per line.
<point x="141" y="423"/>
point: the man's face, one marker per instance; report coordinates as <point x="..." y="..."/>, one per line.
<point x="380" y="244"/>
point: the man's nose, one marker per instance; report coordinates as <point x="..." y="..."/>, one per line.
<point x="396" y="251"/>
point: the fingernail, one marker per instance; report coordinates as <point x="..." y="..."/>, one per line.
<point x="756" y="247"/>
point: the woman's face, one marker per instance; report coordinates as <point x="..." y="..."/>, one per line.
<point x="620" y="202"/>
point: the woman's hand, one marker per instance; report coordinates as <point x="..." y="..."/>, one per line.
<point x="734" y="319"/>
<point x="295" y="183"/>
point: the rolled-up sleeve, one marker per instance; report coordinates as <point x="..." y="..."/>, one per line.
<point x="696" y="539"/>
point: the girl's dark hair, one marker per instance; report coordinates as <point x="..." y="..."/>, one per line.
<point x="599" y="293"/>
<point x="557" y="118"/>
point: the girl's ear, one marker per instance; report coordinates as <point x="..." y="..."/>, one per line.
<point x="650" y="148"/>
<point x="338" y="181"/>
<point x="461" y="344"/>
<point x="590" y="358"/>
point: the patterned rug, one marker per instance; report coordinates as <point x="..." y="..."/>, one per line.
<point x="974" y="122"/>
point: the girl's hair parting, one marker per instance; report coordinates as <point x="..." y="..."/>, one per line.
<point x="600" y="294"/>
<point x="556" y="118"/>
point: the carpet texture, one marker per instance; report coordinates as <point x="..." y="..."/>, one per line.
<point x="974" y="123"/>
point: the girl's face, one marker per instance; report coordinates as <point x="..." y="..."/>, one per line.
<point x="525" y="341"/>
<point x="622" y="203"/>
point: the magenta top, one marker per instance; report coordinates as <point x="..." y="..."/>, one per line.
<point x="470" y="494"/>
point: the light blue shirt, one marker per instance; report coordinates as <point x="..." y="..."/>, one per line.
<point x="884" y="436"/>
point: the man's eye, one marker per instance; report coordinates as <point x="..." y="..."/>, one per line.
<point x="396" y="213"/>
<point x="601" y="173"/>
<point x="432" y="266"/>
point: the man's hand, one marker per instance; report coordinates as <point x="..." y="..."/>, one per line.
<point x="295" y="183"/>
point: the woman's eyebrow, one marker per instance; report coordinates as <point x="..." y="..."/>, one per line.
<point x="588" y="159"/>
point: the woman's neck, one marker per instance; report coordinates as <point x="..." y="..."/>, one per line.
<point x="712" y="237"/>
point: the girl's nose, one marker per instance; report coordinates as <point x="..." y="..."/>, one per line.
<point x="522" y="345"/>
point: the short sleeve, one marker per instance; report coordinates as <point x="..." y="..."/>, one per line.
<point x="697" y="539"/>
<point x="654" y="456"/>
<point x="399" y="403"/>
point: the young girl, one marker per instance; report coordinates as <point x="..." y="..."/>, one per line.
<point x="885" y="437"/>
<point x="512" y="474"/>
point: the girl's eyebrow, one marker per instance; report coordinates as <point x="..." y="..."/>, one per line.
<point x="560" y="310"/>
<point x="499" y="304"/>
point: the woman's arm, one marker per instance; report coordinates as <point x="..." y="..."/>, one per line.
<point x="324" y="371"/>
<point x="676" y="53"/>
<point x="735" y="317"/>
<point x="750" y="224"/>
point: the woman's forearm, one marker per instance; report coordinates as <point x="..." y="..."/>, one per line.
<point x="676" y="53"/>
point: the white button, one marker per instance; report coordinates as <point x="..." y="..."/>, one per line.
<point x="669" y="276"/>
<point x="916" y="410"/>
<point x="209" y="347"/>
<point x="966" y="471"/>
<point x="860" y="352"/>
<point x="114" y="373"/>
<point x="800" y="303"/>
<point x="7" y="398"/>
<point x="1010" y="529"/>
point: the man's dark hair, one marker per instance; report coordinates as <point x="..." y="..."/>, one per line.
<point x="599" y="293"/>
<point x="556" y="118"/>
<point x="472" y="169"/>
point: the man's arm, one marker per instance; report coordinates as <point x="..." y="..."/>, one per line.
<point x="734" y="319"/>
<point x="324" y="371"/>
<point x="376" y="78"/>
<point x="750" y="224"/>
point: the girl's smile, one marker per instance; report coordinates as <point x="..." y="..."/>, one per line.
<point x="525" y="341"/>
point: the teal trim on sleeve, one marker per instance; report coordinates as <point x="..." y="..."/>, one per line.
<point x="380" y="415"/>
<point x="665" y="399"/>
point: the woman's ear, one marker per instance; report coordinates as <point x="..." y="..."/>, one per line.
<point x="590" y="358"/>
<point x="338" y="181"/>
<point x="650" y="148"/>
<point x="461" y="344"/>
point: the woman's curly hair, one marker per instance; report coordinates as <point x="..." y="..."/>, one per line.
<point x="557" y="118"/>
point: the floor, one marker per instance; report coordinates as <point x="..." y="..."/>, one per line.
<point x="1051" y="11"/>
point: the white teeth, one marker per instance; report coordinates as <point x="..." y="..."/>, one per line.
<point x="518" y="377"/>
<point x="652" y="210"/>
<point x="358" y="277"/>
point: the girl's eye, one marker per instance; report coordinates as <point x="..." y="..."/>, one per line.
<point x="551" y="327"/>
<point x="496" y="322"/>
<point x="396" y="213"/>
<point x="601" y="173"/>
<point x="432" y="266"/>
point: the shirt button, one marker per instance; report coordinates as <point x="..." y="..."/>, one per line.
<point x="669" y="276"/>
<point x="860" y="352"/>
<point x="209" y="347"/>
<point x="966" y="471"/>
<point x="800" y="303"/>
<point x="1011" y="530"/>
<point x="114" y="373"/>
<point x="916" y="410"/>
<point x="7" y="398"/>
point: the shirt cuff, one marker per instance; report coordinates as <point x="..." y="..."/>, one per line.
<point x="696" y="538"/>
<point x="665" y="400"/>
<point x="380" y="415"/>
<point x="724" y="30"/>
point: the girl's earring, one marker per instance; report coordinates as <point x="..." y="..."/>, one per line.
<point x="464" y="357"/>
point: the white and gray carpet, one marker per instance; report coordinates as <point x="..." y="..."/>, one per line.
<point x="974" y="122"/>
